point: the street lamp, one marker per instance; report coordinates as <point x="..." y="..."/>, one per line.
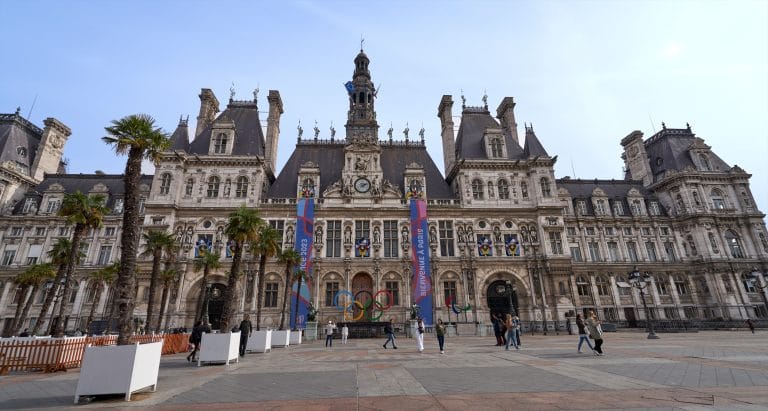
<point x="207" y="302"/>
<point x="754" y="278"/>
<point x="530" y="237"/>
<point x="641" y="282"/>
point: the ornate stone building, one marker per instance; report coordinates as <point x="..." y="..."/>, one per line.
<point x="503" y="230"/>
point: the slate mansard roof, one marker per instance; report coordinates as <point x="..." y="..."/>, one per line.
<point x="249" y="138"/>
<point x="669" y="150"/>
<point x="615" y="190"/>
<point x="470" y="144"/>
<point x="17" y="132"/>
<point x="329" y="157"/>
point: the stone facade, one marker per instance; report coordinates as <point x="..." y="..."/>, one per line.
<point x="498" y="217"/>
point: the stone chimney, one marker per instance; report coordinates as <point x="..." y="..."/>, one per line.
<point x="636" y="158"/>
<point x="209" y="106"/>
<point x="445" y="113"/>
<point x="506" y="115"/>
<point x="51" y="148"/>
<point x="273" y="128"/>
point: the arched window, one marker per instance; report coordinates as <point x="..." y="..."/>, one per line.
<point x="241" y="191"/>
<point x="188" y="188"/>
<point x="477" y="189"/>
<point x="681" y="285"/>
<point x="718" y="200"/>
<point x="602" y="285"/>
<point x="704" y="160"/>
<point x="661" y="284"/>
<point x="213" y="187"/>
<point x="220" y="144"/>
<point x="734" y="244"/>
<point x="713" y="243"/>
<point x="524" y="189"/>
<point x="582" y="285"/>
<point x="503" y="188"/>
<point x="545" y="190"/>
<point x="165" y="183"/>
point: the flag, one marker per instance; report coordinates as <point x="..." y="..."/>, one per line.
<point x="350" y="87"/>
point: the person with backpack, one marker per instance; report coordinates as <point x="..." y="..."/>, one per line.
<point x="583" y="336"/>
<point x="389" y="329"/>
<point x="596" y="332"/>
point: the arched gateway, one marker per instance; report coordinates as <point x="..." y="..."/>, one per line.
<point x="502" y="298"/>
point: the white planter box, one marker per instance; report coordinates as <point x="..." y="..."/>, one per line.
<point x="259" y="341"/>
<point x="281" y="338"/>
<point x="219" y="348"/>
<point x="295" y="337"/>
<point x="310" y="333"/>
<point x="118" y="369"/>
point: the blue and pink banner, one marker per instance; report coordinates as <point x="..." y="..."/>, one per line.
<point x="305" y="221"/>
<point x="421" y="282"/>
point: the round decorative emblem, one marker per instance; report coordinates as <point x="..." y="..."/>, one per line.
<point x="362" y="185"/>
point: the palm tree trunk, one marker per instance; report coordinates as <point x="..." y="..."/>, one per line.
<point x="11" y="330"/>
<point x="201" y="297"/>
<point x="230" y="294"/>
<point x="286" y="296"/>
<point x="163" y="303"/>
<point x="26" y="308"/>
<point x="96" y="298"/>
<point x="49" y="298"/>
<point x="153" y="284"/>
<point x="260" y="290"/>
<point x="74" y="252"/>
<point x="296" y="308"/>
<point x="129" y="240"/>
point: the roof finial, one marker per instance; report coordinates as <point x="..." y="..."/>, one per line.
<point x="389" y="132"/>
<point x="256" y="94"/>
<point x="688" y="126"/>
<point x="18" y="110"/>
<point x="663" y="126"/>
<point x="463" y="100"/>
<point x="317" y="130"/>
<point x="485" y="100"/>
<point x="301" y="130"/>
<point x="232" y="92"/>
<point x="421" y="133"/>
<point x="405" y="132"/>
<point x="333" y="131"/>
<point x="362" y="40"/>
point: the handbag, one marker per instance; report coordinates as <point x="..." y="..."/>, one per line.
<point x="421" y="330"/>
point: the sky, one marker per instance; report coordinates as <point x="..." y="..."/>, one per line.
<point x="584" y="73"/>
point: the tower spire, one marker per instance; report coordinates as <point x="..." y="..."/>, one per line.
<point x="361" y="118"/>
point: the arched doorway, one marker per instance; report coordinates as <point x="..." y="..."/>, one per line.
<point x="502" y="300"/>
<point x="362" y="289"/>
<point x="215" y="304"/>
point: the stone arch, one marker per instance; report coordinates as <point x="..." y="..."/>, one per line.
<point x="523" y="290"/>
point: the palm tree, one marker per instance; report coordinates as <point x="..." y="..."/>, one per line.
<point x="101" y="277"/>
<point x="299" y="276"/>
<point x="206" y="262"/>
<point x="244" y="226"/>
<point x="85" y="212"/>
<point x="59" y="256"/>
<point x="36" y="276"/>
<point x="167" y="277"/>
<point x="22" y="287"/>
<point x="156" y="242"/>
<point x="266" y="245"/>
<point x="290" y="258"/>
<point x="136" y="136"/>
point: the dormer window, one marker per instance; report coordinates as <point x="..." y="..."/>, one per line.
<point x="308" y="188"/>
<point x="118" y="206"/>
<point x="654" y="208"/>
<point x="53" y="205"/>
<point x="600" y="207"/>
<point x="618" y="208"/>
<point x="165" y="184"/>
<point x="581" y="207"/>
<point x="496" y="146"/>
<point x="704" y="162"/>
<point x="220" y="144"/>
<point x="545" y="190"/>
<point x="637" y="208"/>
<point x="29" y="206"/>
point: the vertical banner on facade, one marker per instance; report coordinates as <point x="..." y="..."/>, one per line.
<point x="305" y="220"/>
<point x="421" y="282"/>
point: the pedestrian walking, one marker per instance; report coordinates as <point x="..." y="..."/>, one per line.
<point x="329" y="328"/>
<point x="440" y="333"/>
<point x="196" y="338"/>
<point x="583" y="336"/>
<point x="509" y="324"/>
<point x="420" y="334"/>
<point x="751" y="325"/>
<point x="245" y="331"/>
<point x="344" y="333"/>
<point x="389" y="329"/>
<point x="593" y="324"/>
<point x="498" y="330"/>
<point x="518" y="329"/>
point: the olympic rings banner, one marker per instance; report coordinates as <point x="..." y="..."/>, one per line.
<point x="305" y="221"/>
<point x="421" y="282"/>
<point x="366" y="303"/>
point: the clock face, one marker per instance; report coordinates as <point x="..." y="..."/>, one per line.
<point x="362" y="185"/>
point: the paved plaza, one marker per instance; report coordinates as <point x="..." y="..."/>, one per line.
<point x="687" y="371"/>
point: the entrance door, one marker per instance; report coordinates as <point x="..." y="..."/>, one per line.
<point x="216" y="305"/>
<point x="501" y="300"/>
<point x="629" y="314"/>
<point x="362" y="289"/>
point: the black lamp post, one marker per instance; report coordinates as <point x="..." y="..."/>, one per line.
<point x="641" y="281"/>
<point x="207" y="302"/>
<point x="531" y="238"/>
<point x="754" y="278"/>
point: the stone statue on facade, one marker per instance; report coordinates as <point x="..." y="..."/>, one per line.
<point x="301" y="130"/>
<point x="317" y="130"/>
<point x="405" y="132"/>
<point x="319" y="234"/>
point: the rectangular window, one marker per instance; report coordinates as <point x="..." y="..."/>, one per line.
<point x="63" y="231"/>
<point x="449" y="291"/>
<point x="104" y="253"/>
<point x="333" y="239"/>
<point x="118" y="206"/>
<point x="17" y="231"/>
<point x="278" y="225"/>
<point x="393" y="287"/>
<point x="664" y="230"/>
<point x="613" y="251"/>
<point x="654" y="208"/>
<point x="646" y="231"/>
<point x="627" y="230"/>
<point x="670" y="313"/>
<point x="608" y="230"/>
<point x="576" y="254"/>
<point x="590" y="230"/>
<point x="669" y="249"/>
<point x="650" y="248"/>
<point x="390" y="238"/>
<point x="610" y="314"/>
<point x="53" y="205"/>
<point x="331" y="289"/>
<point x="31" y="260"/>
<point x="556" y="242"/>
<point x="594" y="251"/>
<point x="109" y="231"/>
<point x="571" y="231"/>
<point x="632" y="251"/>
<point x="581" y="207"/>
<point x="446" y="238"/>
<point x="618" y="208"/>
<point x="270" y="295"/>
<point x="8" y="256"/>
<point x="363" y="229"/>
<point x="29" y="205"/>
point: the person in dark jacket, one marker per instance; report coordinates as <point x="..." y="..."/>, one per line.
<point x="245" y="331"/>
<point x="194" y="339"/>
<point x="389" y="329"/>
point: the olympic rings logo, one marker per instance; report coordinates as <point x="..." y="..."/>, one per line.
<point x="372" y="306"/>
